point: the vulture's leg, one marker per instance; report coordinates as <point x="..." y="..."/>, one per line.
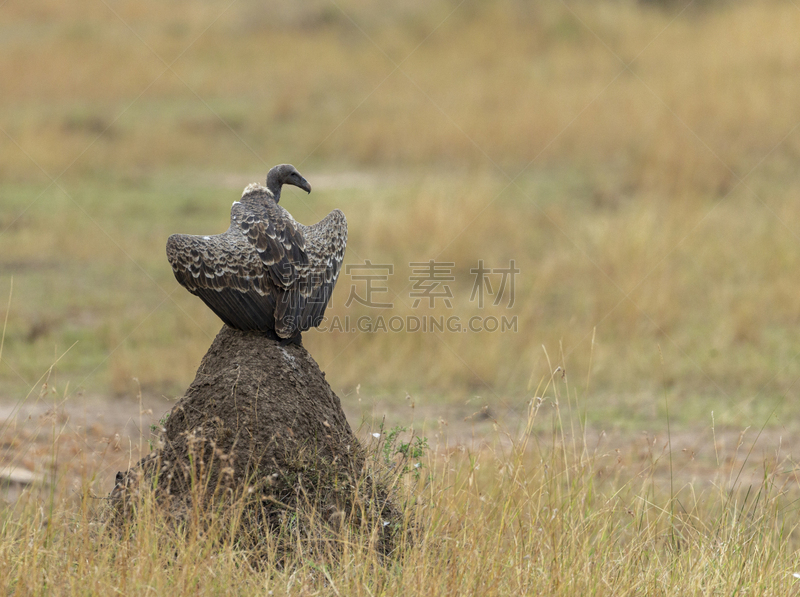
<point x="296" y="339"/>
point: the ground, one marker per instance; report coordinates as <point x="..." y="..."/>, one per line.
<point x="87" y="440"/>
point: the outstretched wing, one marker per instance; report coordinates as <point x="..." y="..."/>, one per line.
<point x="227" y="275"/>
<point x="325" y="246"/>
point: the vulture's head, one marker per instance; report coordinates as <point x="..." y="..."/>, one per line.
<point x="285" y="174"/>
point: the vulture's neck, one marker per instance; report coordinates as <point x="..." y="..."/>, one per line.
<point x="274" y="184"/>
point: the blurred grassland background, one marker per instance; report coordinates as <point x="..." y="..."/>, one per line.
<point x="639" y="162"/>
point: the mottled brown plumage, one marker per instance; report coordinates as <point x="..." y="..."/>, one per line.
<point x="267" y="272"/>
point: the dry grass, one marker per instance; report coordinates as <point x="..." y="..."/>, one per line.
<point x="526" y="515"/>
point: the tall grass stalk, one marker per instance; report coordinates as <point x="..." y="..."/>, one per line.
<point x="521" y="517"/>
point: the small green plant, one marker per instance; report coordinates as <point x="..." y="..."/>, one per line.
<point x="156" y="430"/>
<point x="391" y="445"/>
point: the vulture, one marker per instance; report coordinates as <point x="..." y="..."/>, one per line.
<point x="267" y="272"/>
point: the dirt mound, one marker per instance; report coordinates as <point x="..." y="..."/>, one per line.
<point x="259" y="420"/>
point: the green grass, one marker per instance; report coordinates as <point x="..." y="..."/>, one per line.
<point x="90" y="268"/>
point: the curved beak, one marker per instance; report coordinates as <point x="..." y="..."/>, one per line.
<point x="304" y="185"/>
